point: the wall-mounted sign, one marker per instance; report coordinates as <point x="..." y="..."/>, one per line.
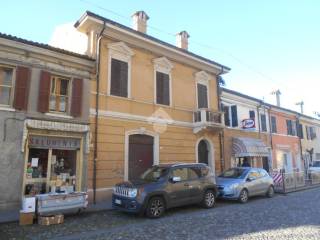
<point x="54" y="142"/>
<point x="248" y="123"/>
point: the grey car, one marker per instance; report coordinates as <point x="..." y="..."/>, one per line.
<point x="240" y="183"/>
<point x="165" y="186"/>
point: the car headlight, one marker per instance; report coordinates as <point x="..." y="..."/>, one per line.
<point x="231" y="187"/>
<point x="235" y="185"/>
<point x="132" y="192"/>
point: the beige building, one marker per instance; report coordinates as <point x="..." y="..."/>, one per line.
<point x="310" y="136"/>
<point x="157" y="103"/>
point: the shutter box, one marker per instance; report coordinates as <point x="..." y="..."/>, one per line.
<point x="22" y="87"/>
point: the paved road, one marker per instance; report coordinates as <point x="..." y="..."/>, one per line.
<point x="295" y="216"/>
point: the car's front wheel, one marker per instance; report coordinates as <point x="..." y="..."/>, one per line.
<point x="209" y="199"/>
<point x="244" y="196"/>
<point x="155" y="208"/>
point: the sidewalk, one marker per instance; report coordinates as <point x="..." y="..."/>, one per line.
<point x="13" y="215"/>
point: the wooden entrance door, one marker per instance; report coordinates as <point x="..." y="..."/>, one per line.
<point x="203" y="152"/>
<point x="140" y="155"/>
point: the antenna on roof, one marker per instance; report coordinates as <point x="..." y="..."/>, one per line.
<point x="317" y="114"/>
<point x="301" y="103"/>
<point x="277" y="93"/>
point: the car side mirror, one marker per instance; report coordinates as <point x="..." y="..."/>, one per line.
<point x="176" y="179"/>
<point x="249" y="179"/>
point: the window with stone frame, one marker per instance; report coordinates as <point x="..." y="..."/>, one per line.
<point x="6" y="85"/>
<point x="119" y="78"/>
<point x="162" y="88"/>
<point x="263" y="122"/>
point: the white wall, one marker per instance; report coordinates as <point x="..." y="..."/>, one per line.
<point x="243" y="111"/>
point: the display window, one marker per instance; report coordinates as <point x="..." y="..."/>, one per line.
<point x="52" y="170"/>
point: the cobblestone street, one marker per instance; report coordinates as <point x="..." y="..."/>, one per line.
<point x="294" y="216"/>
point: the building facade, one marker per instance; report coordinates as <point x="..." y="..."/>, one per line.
<point x="285" y="141"/>
<point x="44" y="117"/>
<point x="156" y="103"/>
<point x="310" y="135"/>
<point x="246" y="136"/>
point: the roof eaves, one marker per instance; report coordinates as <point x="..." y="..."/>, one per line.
<point x="91" y="14"/>
<point x="44" y="46"/>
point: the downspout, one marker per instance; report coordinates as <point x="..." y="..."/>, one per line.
<point x="299" y="136"/>
<point x="95" y="154"/>
<point x="221" y="133"/>
<point x="258" y="116"/>
<point x="270" y="135"/>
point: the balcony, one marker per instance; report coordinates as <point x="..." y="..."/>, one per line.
<point x="206" y="119"/>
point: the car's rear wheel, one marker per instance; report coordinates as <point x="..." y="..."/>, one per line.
<point x="155" y="208"/>
<point x="244" y="196"/>
<point x="209" y="199"/>
<point x="270" y="192"/>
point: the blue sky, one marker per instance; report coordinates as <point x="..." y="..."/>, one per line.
<point x="268" y="44"/>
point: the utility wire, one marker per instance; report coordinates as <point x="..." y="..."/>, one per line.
<point x="206" y="46"/>
<point x="190" y="41"/>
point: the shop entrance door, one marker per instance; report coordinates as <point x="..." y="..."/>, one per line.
<point x="140" y="155"/>
<point x="203" y="152"/>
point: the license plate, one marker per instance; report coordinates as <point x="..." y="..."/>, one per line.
<point x="118" y="201"/>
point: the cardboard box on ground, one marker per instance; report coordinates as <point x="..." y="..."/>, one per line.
<point x="50" y="219"/>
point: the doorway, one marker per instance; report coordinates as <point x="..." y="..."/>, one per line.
<point x="140" y="155"/>
<point x="203" y="152"/>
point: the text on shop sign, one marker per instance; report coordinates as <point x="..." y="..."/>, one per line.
<point x="53" y="142"/>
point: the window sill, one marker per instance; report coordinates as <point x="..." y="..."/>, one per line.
<point x="163" y="105"/>
<point x="120" y="97"/>
<point x="7" y="108"/>
<point x="58" y="115"/>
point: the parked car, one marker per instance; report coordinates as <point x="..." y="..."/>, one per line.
<point x="165" y="186"/>
<point x="315" y="166"/>
<point x="240" y="183"/>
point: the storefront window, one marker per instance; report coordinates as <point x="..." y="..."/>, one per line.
<point x="37" y="163"/>
<point x="36" y="172"/>
<point x="52" y="165"/>
<point x="63" y="171"/>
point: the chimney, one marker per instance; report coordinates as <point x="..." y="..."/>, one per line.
<point x="182" y="40"/>
<point x="277" y="93"/>
<point x="140" y="19"/>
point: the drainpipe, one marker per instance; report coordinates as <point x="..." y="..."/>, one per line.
<point x="221" y="133"/>
<point x="258" y="116"/>
<point x="95" y="153"/>
<point x="270" y="135"/>
<point x="299" y="136"/>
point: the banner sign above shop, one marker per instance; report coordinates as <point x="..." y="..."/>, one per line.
<point x="47" y="142"/>
<point x="248" y="123"/>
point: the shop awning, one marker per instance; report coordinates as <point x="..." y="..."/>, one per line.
<point x="249" y="147"/>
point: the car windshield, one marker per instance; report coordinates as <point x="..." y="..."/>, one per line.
<point x="316" y="164"/>
<point x="234" y="173"/>
<point x="154" y="174"/>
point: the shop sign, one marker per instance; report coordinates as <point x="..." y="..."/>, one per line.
<point x="53" y="142"/>
<point x="248" y="123"/>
